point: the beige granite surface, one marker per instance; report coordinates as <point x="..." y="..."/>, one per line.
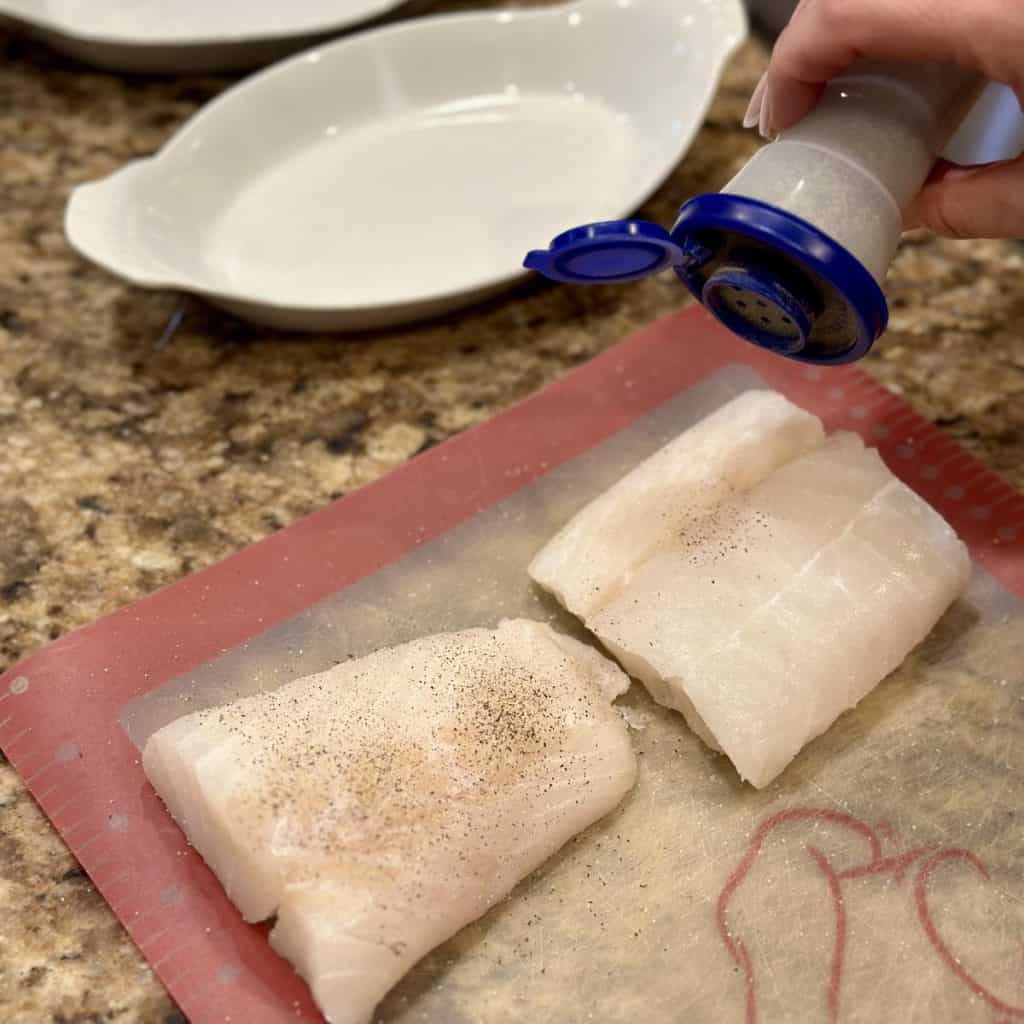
<point x="125" y="465"/>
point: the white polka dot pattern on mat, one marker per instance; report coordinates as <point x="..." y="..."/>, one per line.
<point x="955" y="493"/>
<point x="18" y="685"/>
<point x="1007" y="533"/>
<point x="881" y="431"/>
<point x="930" y="472"/>
<point x="905" y="451"/>
<point x="117" y="822"/>
<point x="858" y="412"/>
<point x="981" y="512"/>
<point x="835" y="393"/>
<point x="812" y="373"/>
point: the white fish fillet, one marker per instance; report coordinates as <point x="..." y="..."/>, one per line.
<point x="378" y="807"/>
<point x="727" y="452"/>
<point x="764" y="616"/>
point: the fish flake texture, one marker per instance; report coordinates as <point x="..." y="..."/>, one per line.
<point x="770" y="579"/>
<point x="378" y="807"/>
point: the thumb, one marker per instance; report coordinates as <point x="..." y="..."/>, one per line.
<point x="986" y="201"/>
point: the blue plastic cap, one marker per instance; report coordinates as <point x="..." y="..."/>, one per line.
<point x="771" y="277"/>
<point x="608" y="252"/>
<point x="778" y="281"/>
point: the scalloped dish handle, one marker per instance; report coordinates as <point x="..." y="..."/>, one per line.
<point x="105" y="222"/>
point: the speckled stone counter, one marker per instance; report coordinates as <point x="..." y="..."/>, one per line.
<point x="125" y="464"/>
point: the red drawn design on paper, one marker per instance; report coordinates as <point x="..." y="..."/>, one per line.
<point x="924" y="860"/>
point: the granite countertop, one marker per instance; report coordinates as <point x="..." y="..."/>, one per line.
<point x="126" y="464"/>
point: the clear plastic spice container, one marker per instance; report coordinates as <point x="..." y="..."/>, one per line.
<point x="856" y="161"/>
<point x="792" y="253"/>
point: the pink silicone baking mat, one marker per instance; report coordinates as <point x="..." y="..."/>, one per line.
<point x="881" y="871"/>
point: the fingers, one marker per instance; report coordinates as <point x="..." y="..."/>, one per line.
<point x="825" y="36"/>
<point x="972" y="202"/>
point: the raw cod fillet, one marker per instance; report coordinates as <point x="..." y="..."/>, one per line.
<point x="380" y="806"/>
<point x="762" y="614"/>
<point x="726" y="453"/>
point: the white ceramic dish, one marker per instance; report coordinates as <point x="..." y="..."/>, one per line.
<point x="405" y="172"/>
<point x="160" y="36"/>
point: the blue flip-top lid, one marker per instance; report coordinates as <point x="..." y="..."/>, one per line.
<point x="618" y="250"/>
<point x="769" y="276"/>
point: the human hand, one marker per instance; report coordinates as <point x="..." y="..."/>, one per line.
<point x="825" y="36"/>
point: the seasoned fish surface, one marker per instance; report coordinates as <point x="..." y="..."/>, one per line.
<point x="380" y="806"/>
<point x="726" y="453"/>
<point x="764" y="615"/>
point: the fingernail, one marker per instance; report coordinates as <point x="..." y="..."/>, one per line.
<point x="753" y="114"/>
<point x="764" y="121"/>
